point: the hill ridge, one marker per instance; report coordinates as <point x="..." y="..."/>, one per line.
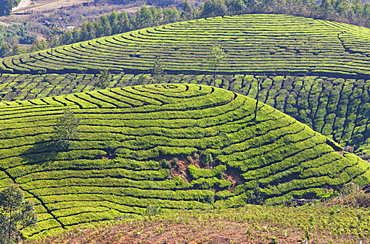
<point x="294" y="49"/>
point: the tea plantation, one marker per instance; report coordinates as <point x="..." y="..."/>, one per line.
<point x="254" y="43"/>
<point x="174" y="146"/>
<point x="335" y="107"/>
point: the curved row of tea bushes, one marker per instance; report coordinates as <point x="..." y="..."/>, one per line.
<point x="115" y="167"/>
<point x="335" y="107"/>
<point x="266" y="43"/>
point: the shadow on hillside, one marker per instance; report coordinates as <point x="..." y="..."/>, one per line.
<point x="41" y="152"/>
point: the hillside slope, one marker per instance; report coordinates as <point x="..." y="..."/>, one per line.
<point x="264" y="43"/>
<point x="336" y="107"/>
<point x="175" y="146"/>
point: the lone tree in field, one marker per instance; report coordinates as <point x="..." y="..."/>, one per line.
<point x="215" y="56"/>
<point x="103" y="79"/>
<point x="15" y="214"/>
<point x="259" y="80"/>
<point x="66" y="129"/>
<point x="158" y="69"/>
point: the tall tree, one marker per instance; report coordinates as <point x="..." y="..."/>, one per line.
<point x="188" y="12"/>
<point x="106" y="25"/>
<point x="66" y="129"/>
<point x="113" y="21"/>
<point x="124" y="22"/>
<point x="143" y="18"/>
<point x="213" y="8"/>
<point x="215" y="56"/>
<point x="259" y="81"/>
<point x="15" y="214"/>
<point x="99" y="30"/>
<point x="171" y="15"/>
<point x="327" y="8"/>
<point x="158" y="69"/>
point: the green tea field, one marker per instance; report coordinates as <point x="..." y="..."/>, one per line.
<point x="175" y="146"/>
<point x="316" y="69"/>
<point x="192" y="140"/>
<point x="335" y="107"/>
<point x="254" y="43"/>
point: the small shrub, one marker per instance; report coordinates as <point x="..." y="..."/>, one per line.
<point x="152" y="210"/>
<point x="349" y="149"/>
<point x="207" y="160"/>
<point x="165" y="164"/>
<point x="209" y="199"/>
<point x="350" y="188"/>
<point x="256" y="196"/>
<point x="104" y="79"/>
<point x="363" y="200"/>
<point x="141" y="80"/>
<point x="110" y="147"/>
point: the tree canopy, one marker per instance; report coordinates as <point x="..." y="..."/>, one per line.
<point x="15" y="214"/>
<point x="7" y="5"/>
<point x="66" y="129"/>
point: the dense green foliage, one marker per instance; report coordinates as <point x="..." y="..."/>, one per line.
<point x="253" y="43"/>
<point x="13" y="35"/>
<point x="15" y="214"/>
<point x="7" y="5"/>
<point x="115" y="167"/>
<point x="335" y="107"/>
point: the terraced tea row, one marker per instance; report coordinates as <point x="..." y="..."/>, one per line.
<point x="335" y="107"/>
<point x="142" y="146"/>
<point x="254" y="43"/>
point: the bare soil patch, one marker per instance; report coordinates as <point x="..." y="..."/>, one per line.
<point x="46" y="5"/>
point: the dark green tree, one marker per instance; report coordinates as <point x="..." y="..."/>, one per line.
<point x="66" y="129"/>
<point x="158" y="69"/>
<point x="143" y="18"/>
<point x="66" y="38"/>
<point x="15" y="214"/>
<point x="5" y="7"/>
<point x="5" y="49"/>
<point x="188" y="12"/>
<point x="213" y="8"/>
<point x="113" y="21"/>
<point x="123" y="23"/>
<point x="327" y="8"/>
<point x="99" y="30"/>
<point x="103" y="79"/>
<point x="170" y="15"/>
<point x="236" y="6"/>
<point x="106" y="25"/>
<point x="157" y="15"/>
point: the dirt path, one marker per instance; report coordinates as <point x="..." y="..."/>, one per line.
<point x="22" y="4"/>
<point x="45" y="5"/>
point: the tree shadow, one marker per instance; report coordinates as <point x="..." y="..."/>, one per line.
<point x="41" y="152"/>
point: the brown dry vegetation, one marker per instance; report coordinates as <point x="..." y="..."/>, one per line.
<point x="66" y="12"/>
<point x="46" y="5"/>
<point x="251" y="224"/>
